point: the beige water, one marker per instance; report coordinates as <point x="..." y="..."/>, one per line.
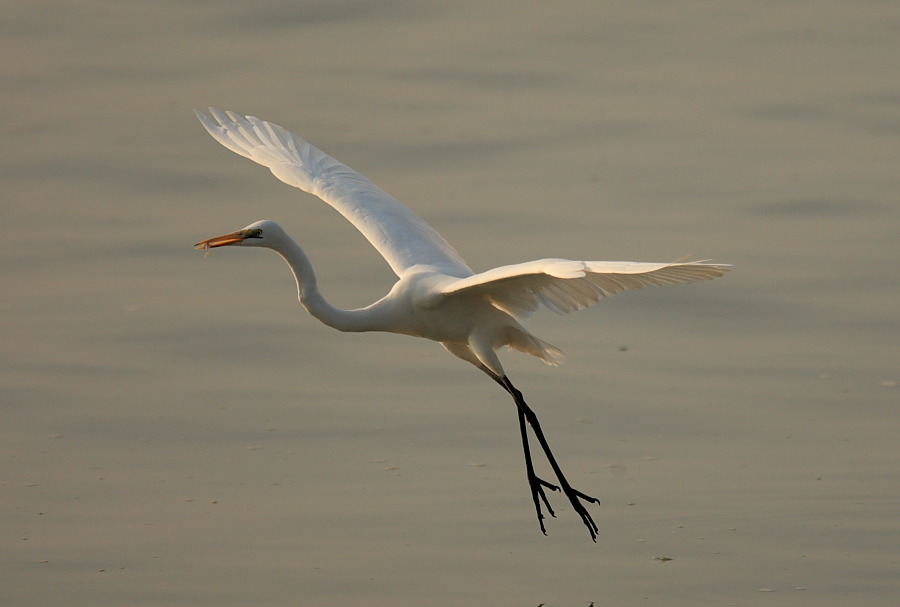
<point x="176" y="430"/>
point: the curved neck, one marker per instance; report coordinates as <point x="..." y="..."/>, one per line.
<point x="308" y="291"/>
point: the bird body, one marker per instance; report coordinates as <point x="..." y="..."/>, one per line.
<point x="437" y="295"/>
<point x="422" y="303"/>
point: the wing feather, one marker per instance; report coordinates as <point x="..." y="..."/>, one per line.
<point x="563" y="285"/>
<point x="403" y="238"/>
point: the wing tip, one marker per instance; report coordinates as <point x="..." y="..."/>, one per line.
<point x="215" y="124"/>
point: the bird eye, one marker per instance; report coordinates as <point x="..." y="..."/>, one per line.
<point x="257" y="233"/>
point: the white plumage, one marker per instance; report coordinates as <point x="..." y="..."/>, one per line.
<point x="437" y="296"/>
<point x="402" y="237"/>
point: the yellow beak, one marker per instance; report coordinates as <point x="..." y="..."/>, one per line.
<point x="222" y="241"/>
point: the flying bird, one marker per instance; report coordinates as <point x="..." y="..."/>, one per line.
<point x="437" y="295"/>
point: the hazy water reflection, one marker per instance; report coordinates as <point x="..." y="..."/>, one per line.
<point x="176" y="429"/>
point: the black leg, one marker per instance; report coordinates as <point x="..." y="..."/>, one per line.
<point x="537" y="485"/>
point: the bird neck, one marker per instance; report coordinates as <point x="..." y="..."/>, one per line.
<point x="308" y="291"/>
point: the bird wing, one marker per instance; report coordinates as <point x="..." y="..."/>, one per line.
<point x="402" y="237"/>
<point x="563" y="285"/>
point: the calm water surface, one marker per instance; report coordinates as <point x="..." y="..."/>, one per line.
<point x="176" y="430"/>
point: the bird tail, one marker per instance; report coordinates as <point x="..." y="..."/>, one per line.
<point x="529" y="344"/>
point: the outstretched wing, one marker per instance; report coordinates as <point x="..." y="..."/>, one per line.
<point x="402" y="237"/>
<point x="564" y="286"/>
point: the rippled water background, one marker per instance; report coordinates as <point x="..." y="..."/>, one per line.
<point x="176" y="430"/>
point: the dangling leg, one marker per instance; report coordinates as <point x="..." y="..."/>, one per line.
<point x="575" y="496"/>
<point x="536" y="484"/>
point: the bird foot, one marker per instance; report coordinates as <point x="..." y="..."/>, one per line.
<point x="575" y="497"/>
<point x="537" y="495"/>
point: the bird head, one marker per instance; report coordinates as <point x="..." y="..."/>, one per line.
<point x="259" y="234"/>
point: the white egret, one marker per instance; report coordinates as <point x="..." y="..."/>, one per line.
<point x="437" y="296"/>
